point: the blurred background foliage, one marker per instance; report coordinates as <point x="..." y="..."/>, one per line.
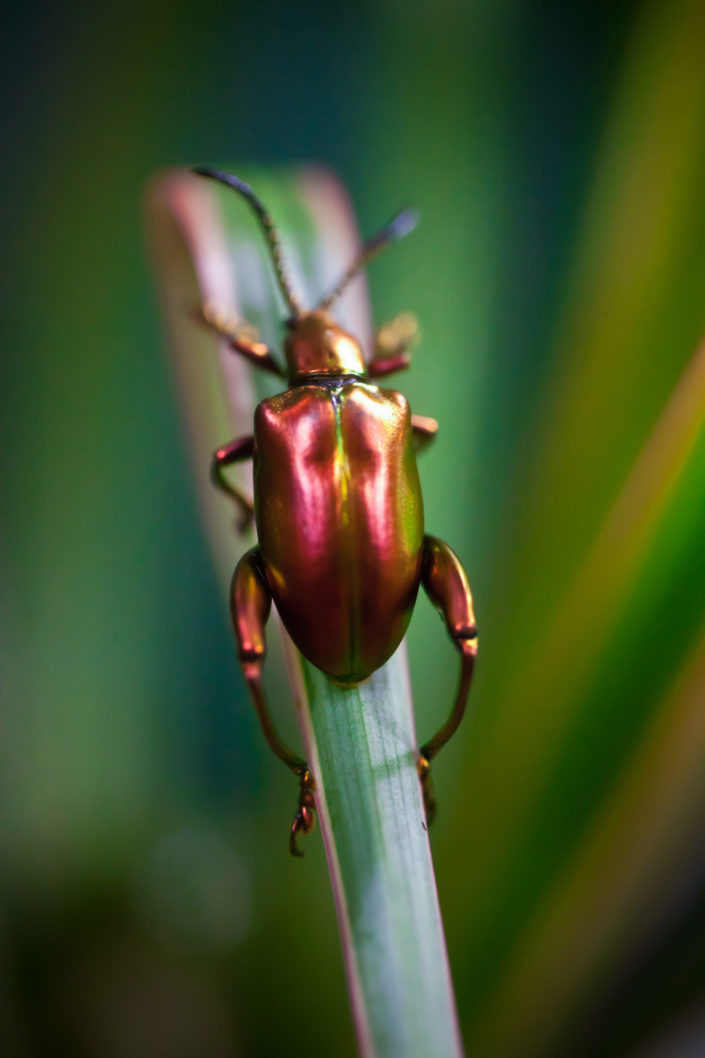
<point x="557" y="153"/>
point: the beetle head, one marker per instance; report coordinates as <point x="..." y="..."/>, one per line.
<point x="317" y="345"/>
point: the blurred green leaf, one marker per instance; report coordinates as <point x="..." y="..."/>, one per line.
<point x="603" y="583"/>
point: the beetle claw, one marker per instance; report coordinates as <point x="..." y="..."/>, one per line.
<point x="295" y="828"/>
<point x="305" y="818"/>
<point x="423" y="768"/>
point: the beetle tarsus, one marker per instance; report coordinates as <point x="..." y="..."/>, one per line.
<point x="305" y="818"/>
<point x="296" y="826"/>
<point x="423" y="768"/>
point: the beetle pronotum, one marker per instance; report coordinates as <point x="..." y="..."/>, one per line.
<point x="337" y="506"/>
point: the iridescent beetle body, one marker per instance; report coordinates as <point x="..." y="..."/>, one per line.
<point x="340" y="521"/>
<point x="338" y="509"/>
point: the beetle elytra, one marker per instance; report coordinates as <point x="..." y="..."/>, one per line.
<point x="342" y="549"/>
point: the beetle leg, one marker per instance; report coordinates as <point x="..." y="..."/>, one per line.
<point x="242" y="338"/>
<point x="388" y="365"/>
<point x="304" y="820"/>
<point x="446" y="585"/>
<point x="250" y="603"/>
<point x="235" y="452"/>
<point x="424" y="431"/>
<point x="257" y="353"/>
<point x="392" y="343"/>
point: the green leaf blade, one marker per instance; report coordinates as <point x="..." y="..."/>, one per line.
<point x="366" y="753"/>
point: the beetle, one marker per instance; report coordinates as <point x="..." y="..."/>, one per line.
<point x="337" y="506"/>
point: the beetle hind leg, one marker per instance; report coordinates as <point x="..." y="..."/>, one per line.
<point x="250" y="603"/>
<point x="446" y="584"/>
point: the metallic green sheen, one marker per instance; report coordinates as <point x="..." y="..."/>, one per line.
<point x="339" y="520"/>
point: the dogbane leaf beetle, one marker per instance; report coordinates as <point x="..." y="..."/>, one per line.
<point x="337" y="505"/>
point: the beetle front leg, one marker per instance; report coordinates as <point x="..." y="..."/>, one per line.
<point x="250" y="603"/>
<point x="235" y="452"/>
<point x="242" y="338"/>
<point x="392" y="343"/>
<point x="446" y="585"/>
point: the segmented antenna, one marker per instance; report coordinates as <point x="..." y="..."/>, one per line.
<point x="267" y="227"/>
<point x="402" y="224"/>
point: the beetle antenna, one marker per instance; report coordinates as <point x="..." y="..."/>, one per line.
<point x="397" y="228"/>
<point x="267" y="226"/>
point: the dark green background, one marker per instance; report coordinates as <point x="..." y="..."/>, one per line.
<point x="149" y="904"/>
